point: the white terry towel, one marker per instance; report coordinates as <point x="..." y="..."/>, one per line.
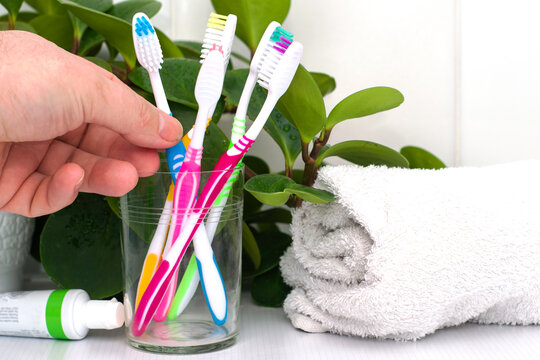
<point x="402" y="253"/>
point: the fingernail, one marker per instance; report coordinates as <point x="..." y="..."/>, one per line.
<point x="168" y="130"/>
<point x="80" y="181"/>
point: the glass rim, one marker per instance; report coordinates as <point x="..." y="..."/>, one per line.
<point x="158" y="172"/>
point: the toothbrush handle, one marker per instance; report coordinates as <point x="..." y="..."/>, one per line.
<point x="212" y="282"/>
<point x="190" y="280"/>
<point x="185" y="193"/>
<point x="161" y="279"/>
<point x="153" y="256"/>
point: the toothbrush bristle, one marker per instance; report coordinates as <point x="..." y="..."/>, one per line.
<point x="147" y="45"/>
<point x="218" y="35"/>
<point x="279" y="42"/>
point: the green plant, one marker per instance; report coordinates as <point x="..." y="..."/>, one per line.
<point x="72" y="242"/>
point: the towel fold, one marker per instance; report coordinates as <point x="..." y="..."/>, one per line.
<point x="402" y="253"/>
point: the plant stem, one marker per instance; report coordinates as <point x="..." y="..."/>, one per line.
<point x="11" y="22"/>
<point x="75" y="46"/>
<point x="317" y="147"/>
<point x="309" y="163"/>
<point x="248" y="173"/>
<point x="288" y="171"/>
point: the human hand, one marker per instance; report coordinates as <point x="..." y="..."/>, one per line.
<point x="67" y="125"/>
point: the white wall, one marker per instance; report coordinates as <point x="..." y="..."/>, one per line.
<point x="364" y="44"/>
<point x="469" y="70"/>
<point x="500" y="89"/>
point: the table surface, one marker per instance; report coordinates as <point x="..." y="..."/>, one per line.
<point x="266" y="333"/>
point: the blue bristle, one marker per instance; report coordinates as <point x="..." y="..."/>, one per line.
<point x="149" y="26"/>
<point x="142" y="26"/>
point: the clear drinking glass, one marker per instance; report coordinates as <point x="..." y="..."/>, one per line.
<point x="194" y="330"/>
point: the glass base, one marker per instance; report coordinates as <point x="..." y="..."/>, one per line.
<point x="191" y="337"/>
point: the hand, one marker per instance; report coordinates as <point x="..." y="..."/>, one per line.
<point x="67" y="125"/>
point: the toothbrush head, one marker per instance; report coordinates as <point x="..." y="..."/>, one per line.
<point x="278" y="68"/>
<point x="263" y="43"/>
<point x="146" y="43"/>
<point x="210" y="79"/>
<point x="219" y="32"/>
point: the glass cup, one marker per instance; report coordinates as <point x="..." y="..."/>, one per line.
<point x="193" y="330"/>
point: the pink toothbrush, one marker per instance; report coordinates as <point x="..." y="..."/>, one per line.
<point x="276" y="74"/>
<point x="207" y="92"/>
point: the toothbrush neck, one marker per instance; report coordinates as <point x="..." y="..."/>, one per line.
<point x="199" y="129"/>
<point x="265" y="112"/>
<point x="246" y="95"/>
<point x="159" y="92"/>
<point x="193" y="155"/>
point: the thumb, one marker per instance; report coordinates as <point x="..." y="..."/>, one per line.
<point x="119" y="108"/>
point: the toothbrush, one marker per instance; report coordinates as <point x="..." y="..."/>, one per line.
<point x="219" y="34"/>
<point x="276" y="74"/>
<point x="207" y="92"/>
<point x="150" y="56"/>
<point x="274" y="35"/>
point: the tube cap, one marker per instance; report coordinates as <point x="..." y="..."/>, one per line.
<point x="104" y="314"/>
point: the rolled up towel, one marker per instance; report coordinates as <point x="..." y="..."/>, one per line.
<point x="402" y="253"/>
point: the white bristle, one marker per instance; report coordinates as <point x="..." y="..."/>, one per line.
<point x="219" y="38"/>
<point x="148" y="51"/>
<point x="268" y="64"/>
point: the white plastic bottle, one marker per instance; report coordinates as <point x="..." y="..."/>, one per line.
<point x="60" y="314"/>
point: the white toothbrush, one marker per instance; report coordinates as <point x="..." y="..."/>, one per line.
<point x="219" y="33"/>
<point x="274" y="35"/>
<point x="276" y="74"/>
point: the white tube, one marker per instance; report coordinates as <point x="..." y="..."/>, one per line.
<point x="61" y="314"/>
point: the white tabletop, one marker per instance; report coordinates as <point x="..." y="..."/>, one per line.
<point x="266" y="333"/>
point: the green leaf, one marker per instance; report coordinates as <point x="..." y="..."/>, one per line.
<point x="99" y="5"/>
<point x="91" y="43"/>
<point x="258" y="165"/>
<point x="297" y="175"/>
<point x="99" y="62"/>
<point x="47" y="6"/>
<point x="178" y="77"/>
<point x="271" y="245"/>
<point x="421" y="159"/>
<point x="116" y="31"/>
<point x="253" y="16"/>
<point x="364" y="153"/>
<point x="55" y="28"/>
<point x="276" y="215"/>
<point x="19" y="25"/>
<point x="278" y="127"/>
<point x="13" y="7"/>
<point x="303" y="105"/>
<point x="269" y="188"/>
<point x="251" y="204"/>
<point x="364" y="102"/>
<point x="170" y="50"/>
<point x="269" y="289"/>
<point x="325" y="82"/>
<point x="24" y="16"/>
<point x="250" y="246"/>
<point x="190" y="49"/>
<point x="80" y="247"/>
<point x="310" y="194"/>
<point x="126" y="9"/>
